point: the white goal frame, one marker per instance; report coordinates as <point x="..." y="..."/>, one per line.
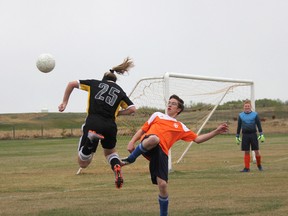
<point x="166" y="94"/>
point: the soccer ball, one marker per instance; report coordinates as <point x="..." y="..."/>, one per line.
<point x="45" y="63"/>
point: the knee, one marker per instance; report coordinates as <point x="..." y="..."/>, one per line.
<point x="153" y="141"/>
<point x="163" y="185"/>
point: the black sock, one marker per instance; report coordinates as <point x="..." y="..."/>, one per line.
<point x="86" y="150"/>
<point x="90" y="146"/>
<point x="113" y="162"/>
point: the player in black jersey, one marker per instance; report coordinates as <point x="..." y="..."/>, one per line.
<point x="106" y="101"/>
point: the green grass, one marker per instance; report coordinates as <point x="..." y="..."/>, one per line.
<point x="38" y="178"/>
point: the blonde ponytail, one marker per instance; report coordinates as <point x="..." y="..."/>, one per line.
<point x="126" y="65"/>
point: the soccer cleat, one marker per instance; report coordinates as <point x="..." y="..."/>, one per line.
<point x="92" y="135"/>
<point x="125" y="161"/>
<point x="118" y="176"/>
<point x="260" y="168"/>
<point x="245" y="170"/>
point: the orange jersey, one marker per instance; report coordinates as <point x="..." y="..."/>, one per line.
<point x="168" y="129"/>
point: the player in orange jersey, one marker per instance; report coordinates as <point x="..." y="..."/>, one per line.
<point x="157" y="136"/>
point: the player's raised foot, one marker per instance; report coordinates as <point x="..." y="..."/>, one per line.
<point x="245" y="170"/>
<point x="260" y="168"/>
<point x="118" y="176"/>
<point x="125" y="161"/>
<point x="92" y="135"/>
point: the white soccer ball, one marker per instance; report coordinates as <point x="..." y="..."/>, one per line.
<point x="45" y="63"/>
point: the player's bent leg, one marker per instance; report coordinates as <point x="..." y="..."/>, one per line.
<point x="148" y="142"/>
<point x="151" y="142"/>
<point x="91" y="143"/>
<point x="87" y="147"/>
<point x="84" y="160"/>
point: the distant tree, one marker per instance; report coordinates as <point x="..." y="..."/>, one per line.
<point x="259" y="103"/>
<point x="237" y="104"/>
<point x="269" y="103"/>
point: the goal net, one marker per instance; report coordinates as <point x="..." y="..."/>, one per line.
<point x="207" y="100"/>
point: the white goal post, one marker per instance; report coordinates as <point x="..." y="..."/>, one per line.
<point x="202" y="97"/>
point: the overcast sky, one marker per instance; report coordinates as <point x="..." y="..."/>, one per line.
<point x="244" y="39"/>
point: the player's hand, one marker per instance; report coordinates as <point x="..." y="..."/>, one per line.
<point x="222" y="128"/>
<point x="130" y="147"/>
<point x="261" y="138"/>
<point x="238" y="140"/>
<point x="62" y="107"/>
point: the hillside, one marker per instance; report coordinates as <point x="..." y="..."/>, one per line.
<point x="33" y="125"/>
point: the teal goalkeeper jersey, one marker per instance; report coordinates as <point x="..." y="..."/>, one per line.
<point x="248" y="122"/>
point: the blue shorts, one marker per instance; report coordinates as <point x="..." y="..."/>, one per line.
<point x="249" y="140"/>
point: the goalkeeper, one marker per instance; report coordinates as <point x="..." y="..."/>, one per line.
<point x="247" y="121"/>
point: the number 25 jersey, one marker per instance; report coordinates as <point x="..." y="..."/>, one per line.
<point x="105" y="97"/>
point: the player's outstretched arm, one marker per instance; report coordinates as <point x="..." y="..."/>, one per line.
<point x="67" y="93"/>
<point x="221" y="129"/>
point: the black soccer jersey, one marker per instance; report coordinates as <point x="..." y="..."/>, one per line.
<point x="104" y="97"/>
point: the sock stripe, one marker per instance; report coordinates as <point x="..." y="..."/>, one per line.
<point x="163" y="198"/>
<point x="142" y="148"/>
<point x="112" y="156"/>
<point x="84" y="157"/>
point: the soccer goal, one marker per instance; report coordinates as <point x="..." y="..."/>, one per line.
<point x="208" y="101"/>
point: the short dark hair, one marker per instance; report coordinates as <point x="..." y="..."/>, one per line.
<point x="180" y="102"/>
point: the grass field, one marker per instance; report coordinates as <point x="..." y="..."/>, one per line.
<point x="38" y="178"/>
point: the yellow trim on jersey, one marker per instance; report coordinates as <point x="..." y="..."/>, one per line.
<point x="88" y="89"/>
<point x="122" y="105"/>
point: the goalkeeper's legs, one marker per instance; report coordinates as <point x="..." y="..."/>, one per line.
<point x="255" y="149"/>
<point x="258" y="160"/>
<point x="246" y="162"/>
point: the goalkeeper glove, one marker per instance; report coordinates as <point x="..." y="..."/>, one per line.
<point x="238" y="140"/>
<point x="261" y="138"/>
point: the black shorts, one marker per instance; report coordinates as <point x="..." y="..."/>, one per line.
<point x="104" y="126"/>
<point x="249" y="140"/>
<point x="158" y="165"/>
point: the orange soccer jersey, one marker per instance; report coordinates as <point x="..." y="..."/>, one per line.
<point x="168" y="129"/>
